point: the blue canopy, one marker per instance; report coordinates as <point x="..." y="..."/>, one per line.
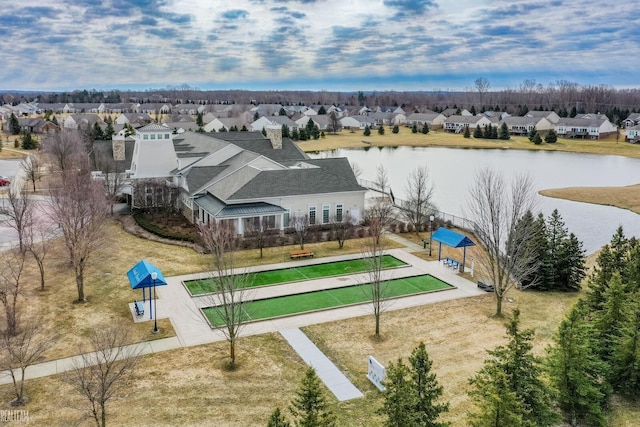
<point x="451" y="238"/>
<point x="140" y="276"/>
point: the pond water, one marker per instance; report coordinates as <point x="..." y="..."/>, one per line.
<point x="452" y="172"/>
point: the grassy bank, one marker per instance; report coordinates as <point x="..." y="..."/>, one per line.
<point x="627" y="197"/>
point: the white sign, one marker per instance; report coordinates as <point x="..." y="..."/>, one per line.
<point x="376" y="373"/>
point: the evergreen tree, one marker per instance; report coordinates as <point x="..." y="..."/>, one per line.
<point x="486" y="133"/>
<point x="504" y="132"/>
<point x="551" y="137"/>
<point x="381" y="130"/>
<point x="309" y="127"/>
<point x="277" y="419"/>
<point x="303" y="135"/>
<point x="425" y="128"/>
<point x="309" y="407"/>
<point x="28" y="143"/>
<point x="478" y="132"/>
<point x="496" y="404"/>
<point x="574" y="112"/>
<point x="625" y="375"/>
<point x="427" y="389"/>
<point x="285" y="131"/>
<point x="536" y="242"/>
<point x="108" y="132"/>
<point x="322" y="111"/>
<point x="282" y="112"/>
<point x="315" y="132"/>
<point x="493" y="132"/>
<point x="609" y="322"/>
<point x="294" y="134"/>
<point x="399" y="397"/>
<point x="466" y="133"/>
<point x="199" y="120"/>
<point x="610" y="261"/>
<point x="256" y="116"/>
<point x="577" y="372"/>
<point x="473" y="110"/>
<point x="572" y="264"/>
<point x="367" y="131"/>
<point x="537" y="139"/>
<point x="97" y="134"/>
<point x="55" y="121"/>
<point x="14" y="125"/>
<point x="264" y="131"/>
<point x="522" y="376"/>
<point x="395" y="129"/>
<point x="532" y="133"/>
<point x="244" y="129"/>
<point x="414" y="128"/>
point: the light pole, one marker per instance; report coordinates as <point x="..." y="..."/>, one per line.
<point x="431" y="218"/>
<point x="154" y="276"/>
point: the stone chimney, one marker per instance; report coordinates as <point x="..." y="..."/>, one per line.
<point x="274" y="133"/>
<point x="118" y="149"/>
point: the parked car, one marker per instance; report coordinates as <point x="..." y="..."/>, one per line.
<point x="4" y="181"/>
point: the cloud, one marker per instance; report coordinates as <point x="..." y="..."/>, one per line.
<point x="235" y="14"/>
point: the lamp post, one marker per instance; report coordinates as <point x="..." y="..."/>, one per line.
<point x="431" y="218"/>
<point x="154" y="276"/>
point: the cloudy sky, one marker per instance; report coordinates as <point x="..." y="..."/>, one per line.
<point x="316" y="44"/>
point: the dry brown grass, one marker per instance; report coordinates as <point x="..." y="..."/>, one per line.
<point x="346" y="139"/>
<point x="627" y="197"/>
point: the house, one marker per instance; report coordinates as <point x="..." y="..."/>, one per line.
<point x="632" y="120"/>
<point x="134" y="119"/>
<point x="82" y="121"/>
<point x="551" y="116"/>
<point x="594" y="128"/>
<point x="359" y="122"/>
<point x="266" y="110"/>
<point x="454" y="111"/>
<point x="431" y="119"/>
<point x="32" y="125"/>
<point x="264" y="122"/>
<point x="240" y="178"/>
<point x="523" y="125"/>
<point x="181" y="127"/>
<point x="217" y="125"/>
<point x="152" y="108"/>
<point x="633" y="134"/>
<point x="457" y="124"/>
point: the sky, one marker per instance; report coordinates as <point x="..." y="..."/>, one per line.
<point x="332" y="45"/>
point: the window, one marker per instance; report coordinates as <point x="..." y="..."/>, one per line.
<point x="325" y="214"/>
<point x="339" y="209"/>
<point x="286" y="218"/>
<point x="153" y="136"/>
<point x="145" y="136"/>
<point x="166" y="136"/>
<point x="312" y="215"/>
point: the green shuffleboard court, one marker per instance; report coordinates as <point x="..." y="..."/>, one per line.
<point x="330" y="298"/>
<point x="296" y="274"/>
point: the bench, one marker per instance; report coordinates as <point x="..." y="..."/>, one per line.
<point x="451" y="263"/>
<point x="301" y="253"/>
<point x="139" y="306"/>
<point x="487" y="287"/>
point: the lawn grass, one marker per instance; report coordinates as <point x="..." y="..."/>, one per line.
<point x="329" y="298"/>
<point x="295" y="274"/>
<point x="627" y="197"/>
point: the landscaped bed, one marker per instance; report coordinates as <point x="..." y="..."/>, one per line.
<point x="296" y="274"/>
<point x="329" y="298"/>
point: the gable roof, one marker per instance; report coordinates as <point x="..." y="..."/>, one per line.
<point x="452" y="238"/>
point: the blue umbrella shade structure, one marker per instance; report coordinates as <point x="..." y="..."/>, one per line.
<point x="453" y="239"/>
<point x="146" y="275"/>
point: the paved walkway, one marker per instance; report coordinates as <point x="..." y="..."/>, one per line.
<point x="185" y="314"/>
<point x="335" y="380"/>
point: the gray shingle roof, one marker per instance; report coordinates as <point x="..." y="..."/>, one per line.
<point x="199" y="176"/>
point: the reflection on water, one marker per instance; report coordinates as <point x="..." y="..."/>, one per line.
<point x="452" y="171"/>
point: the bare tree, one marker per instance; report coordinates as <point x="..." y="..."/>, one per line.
<point x="356" y="169"/>
<point x="20" y="352"/>
<point x="230" y="286"/>
<point x="78" y="206"/>
<point x="19" y="209"/>
<point x="259" y="229"/>
<point x="112" y="175"/>
<point x="301" y="226"/>
<point x="419" y="192"/>
<point x="381" y="211"/>
<point x="101" y="373"/>
<point x="342" y="228"/>
<point x="334" y="123"/>
<point x="496" y="209"/>
<point x="12" y="267"/>
<point x="65" y="149"/>
<point x="38" y="242"/>
<point x="482" y="86"/>
<point x="377" y="287"/>
<point x="154" y="194"/>
<point x="31" y="167"/>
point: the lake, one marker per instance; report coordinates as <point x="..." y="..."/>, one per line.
<point x="452" y="172"/>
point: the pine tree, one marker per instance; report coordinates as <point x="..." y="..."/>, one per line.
<point x="285" y="131"/>
<point x="486" y="133"/>
<point x="97" y="133"/>
<point x="504" y="132"/>
<point x="199" y="120"/>
<point x="399" y="397"/>
<point x="381" y="130"/>
<point x="537" y="139"/>
<point x="473" y="110"/>
<point x="322" y="111"/>
<point x="551" y="137"/>
<point x="282" y="112"/>
<point x="28" y="143"/>
<point x="277" y="419"/>
<point x="466" y="133"/>
<point x="625" y="375"/>
<point x="14" y="125"/>
<point x="532" y="133"/>
<point x="522" y="375"/>
<point x="478" y="132"/>
<point x="609" y="322"/>
<point x="244" y="129"/>
<point x="428" y="390"/>
<point x="577" y="372"/>
<point x="610" y="261"/>
<point x="294" y="134"/>
<point x="493" y="134"/>
<point x="264" y="131"/>
<point x="309" y="407"/>
<point x="395" y="129"/>
<point x="414" y="128"/>
<point x="367" y="131"/>
<point x="425" y="128"/>
<point x="496" y="404"/>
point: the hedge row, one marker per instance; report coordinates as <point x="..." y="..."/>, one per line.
<point x="153" y="228"/>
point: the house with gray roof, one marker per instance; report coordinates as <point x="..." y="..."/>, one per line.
<point x="590" y="126"/>
<point x="457" y="124"/>
<point x="431" y="119"/>
<point x="632" y="120"/>
<point x="523" y="125"/>
<point x="241" y="178"/>
<point x="551" y="116"/>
